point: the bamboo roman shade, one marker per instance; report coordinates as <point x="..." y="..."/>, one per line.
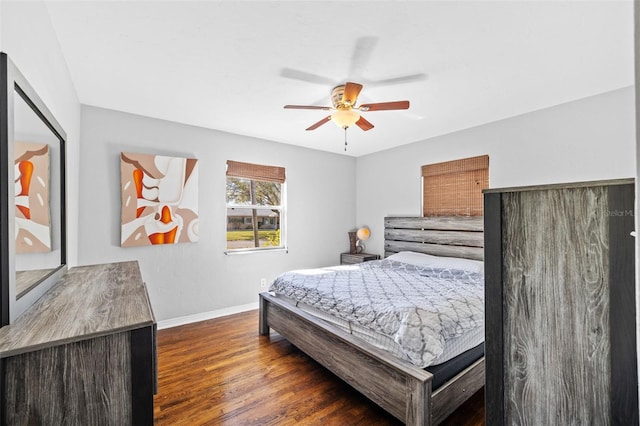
<point x="255" y="171"/>
<point x="454" y="188"/>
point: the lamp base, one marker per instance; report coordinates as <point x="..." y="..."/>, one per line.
<point x="353" y="239"/>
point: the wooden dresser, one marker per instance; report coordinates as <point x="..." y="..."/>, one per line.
<point x="560" y="305"/>
<point x="84" y="353"/>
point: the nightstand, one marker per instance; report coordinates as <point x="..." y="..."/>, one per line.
<point x="348" y="258"/>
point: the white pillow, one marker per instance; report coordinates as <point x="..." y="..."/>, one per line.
<point x="422" y="259"/>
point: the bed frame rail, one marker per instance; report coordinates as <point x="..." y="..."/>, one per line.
<point x="394" y="385"/>
<point x="455" y="392"/>
<point x="399" y="387"/>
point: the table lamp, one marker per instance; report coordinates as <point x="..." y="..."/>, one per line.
<point x="363" y="234"/>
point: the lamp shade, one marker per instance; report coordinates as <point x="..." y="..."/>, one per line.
<point x="363" y="233"/>
<point x="345" y="117"/>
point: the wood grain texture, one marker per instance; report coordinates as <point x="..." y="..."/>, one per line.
<point x="475" y="253"/>
<point x="567" y="185"/>
<point x="556" y="307"/>
<point x="384" y="379"/>
<point x="454" y="236"/>
<point x="260" y="380"/>
<point x="84" y="354"/>
<point x="451" y="395"/>
<point x="88" y="301"/>
<point x="85" y="383"/>
<point x="397" y="386"/>
<point x="350" y="259"/>
<point x="451" y="223"/>
<point x="26" y="280"/>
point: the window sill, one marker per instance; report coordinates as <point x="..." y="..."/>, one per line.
<point x="253" y="250"/>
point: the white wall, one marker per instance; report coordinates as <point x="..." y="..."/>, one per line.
<point x="189" y="279"/>
<point x="27" y="36"/>
<point x="583" y="140"/>
<point x="589" y="139"/>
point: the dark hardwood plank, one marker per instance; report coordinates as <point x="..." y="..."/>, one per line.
<point x="222" y="372"/>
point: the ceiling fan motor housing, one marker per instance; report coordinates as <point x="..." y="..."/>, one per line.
<point x="336" y="97"/>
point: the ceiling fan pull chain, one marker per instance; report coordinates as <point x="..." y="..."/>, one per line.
<point x="345" y="139"/>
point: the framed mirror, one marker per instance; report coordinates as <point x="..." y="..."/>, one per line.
<point x="32" y="195"/>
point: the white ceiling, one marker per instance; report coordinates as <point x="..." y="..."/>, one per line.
<point x="233" y="65"/>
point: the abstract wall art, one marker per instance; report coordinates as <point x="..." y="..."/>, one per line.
<point x="33" y="220"/>
<point x="159" y="199"/>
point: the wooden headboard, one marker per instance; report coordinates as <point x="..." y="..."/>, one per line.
<point x="455" y="236"/>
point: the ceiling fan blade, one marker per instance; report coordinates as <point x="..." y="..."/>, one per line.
<point x="397" y="80"/>
<point x="351" y="92"/>
<point x="319" y="123"/>
<point x="361" y="55"/>
<point x="326" y="108"/>
<point x="307" y="76"/>
<point x="384" y="106"/>
<point x="364" y="124"/>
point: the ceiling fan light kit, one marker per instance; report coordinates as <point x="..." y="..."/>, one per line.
<point x="345" y="118"/>
<point x="343" y="99"/>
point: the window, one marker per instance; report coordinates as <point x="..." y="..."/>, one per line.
<point x="454" y="188"/>
<point x="255" y="207"/>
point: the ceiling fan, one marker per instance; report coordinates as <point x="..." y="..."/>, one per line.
<point x="363" y="50"/>
<point x="343" y="98"/>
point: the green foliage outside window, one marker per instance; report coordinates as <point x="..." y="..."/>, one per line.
<point x="254" y="213"/>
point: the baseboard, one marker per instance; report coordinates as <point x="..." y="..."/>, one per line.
<point x="175" y="322"/>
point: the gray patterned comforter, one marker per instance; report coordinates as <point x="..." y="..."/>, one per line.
<point x="419" y="307"/>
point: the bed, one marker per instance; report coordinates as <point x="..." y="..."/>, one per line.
<point x="404" y="389"/>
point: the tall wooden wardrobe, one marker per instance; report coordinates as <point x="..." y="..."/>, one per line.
<point x="560" y="305"/>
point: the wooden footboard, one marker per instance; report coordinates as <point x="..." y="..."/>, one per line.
<point x="456" y="391"/>
<point x="399" y="387"/>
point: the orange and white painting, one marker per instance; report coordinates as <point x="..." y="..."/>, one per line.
<point x="159" y="199"/>
<point x="33" y="220"/>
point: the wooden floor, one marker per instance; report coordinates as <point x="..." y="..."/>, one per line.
<point x="221" y="372"/>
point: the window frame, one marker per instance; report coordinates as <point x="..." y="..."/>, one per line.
<point x="281" y="207"/>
